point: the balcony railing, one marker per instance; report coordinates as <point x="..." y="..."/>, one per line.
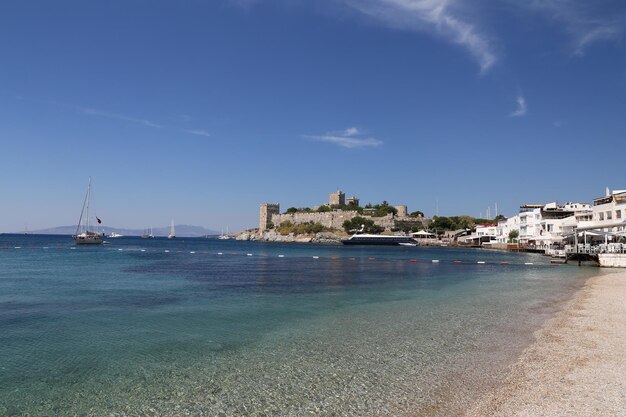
<point x="595" y="249"/>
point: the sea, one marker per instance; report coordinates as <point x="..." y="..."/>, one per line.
<point x="196" y="326"/>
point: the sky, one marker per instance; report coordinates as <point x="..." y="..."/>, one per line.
<point x="201" y="110"/>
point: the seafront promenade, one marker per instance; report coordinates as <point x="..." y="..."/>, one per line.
<point x="576" y="365"/>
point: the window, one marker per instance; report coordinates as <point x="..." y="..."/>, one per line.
<point x="609" y="215"/>
<point x="618" y="214"/>
<point x="601" y="216"/>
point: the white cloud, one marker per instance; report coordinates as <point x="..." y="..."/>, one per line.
<point x="347" y="138"/>
<point x="587" y="22"/>
<point x="440" y="17"/>
<point x="101" y="113"/>
<point x="521" y="107"/>
<point x="197" y="132"/>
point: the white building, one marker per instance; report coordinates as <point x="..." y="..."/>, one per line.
<point x="608" y="213"/>
<point x="505" y="227"/>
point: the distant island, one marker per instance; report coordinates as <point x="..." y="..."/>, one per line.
<point x="182" y="230"/>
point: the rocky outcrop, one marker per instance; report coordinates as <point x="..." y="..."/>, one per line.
<point x="274" y="236"/>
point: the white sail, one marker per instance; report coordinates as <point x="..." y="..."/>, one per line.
<point x="172" y="234"/>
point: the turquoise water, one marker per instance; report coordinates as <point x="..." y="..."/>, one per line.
<point x="173" y="327"/>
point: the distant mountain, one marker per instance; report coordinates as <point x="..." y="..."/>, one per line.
<point x="182" y="230"/>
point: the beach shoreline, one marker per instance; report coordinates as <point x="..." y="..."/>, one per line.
<point x="577" y="363"/>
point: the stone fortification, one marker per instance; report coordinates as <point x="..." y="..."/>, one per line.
<point x="334" y="219"/>
<point x="330" y="219"/>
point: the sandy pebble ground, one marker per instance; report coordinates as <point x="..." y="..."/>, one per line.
<point x="577" y="365"/>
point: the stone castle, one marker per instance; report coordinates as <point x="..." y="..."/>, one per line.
<point x="270" y="215"/>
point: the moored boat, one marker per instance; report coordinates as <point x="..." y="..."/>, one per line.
<point x="83" y="235"/>
<point x="370" y="239"/>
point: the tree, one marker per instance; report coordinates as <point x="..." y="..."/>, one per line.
<point x="499" y="217"/>
<point x="291" y="210"/>
<point x="357" y="222"/>
<point x="323" y="209"/>
<point x="513" y="234"/>
<point x="417" y="214"/>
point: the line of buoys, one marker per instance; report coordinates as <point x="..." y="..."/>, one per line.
<point x="456" y="261"/>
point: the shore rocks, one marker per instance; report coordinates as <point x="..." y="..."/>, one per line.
<point x="274" y="236"/>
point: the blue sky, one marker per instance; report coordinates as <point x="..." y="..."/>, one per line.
<point x="200" y="110"/>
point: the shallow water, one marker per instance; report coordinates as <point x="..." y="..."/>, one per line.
<point x="173" y="327"/>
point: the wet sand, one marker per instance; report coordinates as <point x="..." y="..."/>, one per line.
<point x="577" y="364"/>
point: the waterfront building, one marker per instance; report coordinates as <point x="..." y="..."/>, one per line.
<point x="608" y="213"/>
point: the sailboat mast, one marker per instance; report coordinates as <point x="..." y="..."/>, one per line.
<point x="80" y="220"/>
<point x="88" y="202"/>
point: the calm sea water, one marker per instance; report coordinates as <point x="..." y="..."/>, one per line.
<point x="173" y="327"/>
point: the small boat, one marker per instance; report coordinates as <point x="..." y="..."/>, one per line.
<point x="84" y="235"/>
<point x="113" y="234"/>
<point x="172" y="234"/>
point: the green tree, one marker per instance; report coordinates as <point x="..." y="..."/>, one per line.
<point x="323" y="209"/>
<point x="513" y="235"/>
<point x="417" y="214"/>
<point x="357" y="222"/>
<point x="291" y="210"/>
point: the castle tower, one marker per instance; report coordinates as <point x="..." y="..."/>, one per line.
<point x="402" y="211"/>
<point x="353" y="201"/>
<point x="338" y="198"/>
<point x="265" y="215"/>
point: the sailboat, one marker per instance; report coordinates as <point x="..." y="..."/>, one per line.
<point x="85" y="236"/>
<point x="172" y="234"/>
<point x="224" y="236"/>
<point x="147" y="235"/>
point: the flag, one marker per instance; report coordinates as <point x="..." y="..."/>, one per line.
<point x="99" y="221"/>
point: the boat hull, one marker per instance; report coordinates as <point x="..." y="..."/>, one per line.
<point x="88" y="239"/>
<point x="379" y="241"/>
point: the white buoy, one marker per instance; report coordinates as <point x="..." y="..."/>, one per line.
<point x="528" y="263"/>
<point x="166" y="251"/>
<point x="120" y="249"/>
<point x="143" y="250"/>
<point x="480" y="262"/>
<point x="219" y="253"/>
<point x="192" y="252"/>
<point x="435" y="261"/>
<point x="316" y="257"/>
<point x="249" y="254"/>
<point x="281" y="256"/>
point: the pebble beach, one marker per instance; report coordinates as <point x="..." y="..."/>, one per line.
<point x="577" y="364"/>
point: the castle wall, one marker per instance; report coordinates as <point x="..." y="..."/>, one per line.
<point x="335" y="219"/>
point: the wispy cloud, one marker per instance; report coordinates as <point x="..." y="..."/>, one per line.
<point x="95" y="112"/>
<point x="521" y="107"/>
<point x="350" y="138"/>
<point x="587" y="22"/>
<point x="197" y="132"/>
<point x="443" y="18"/>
